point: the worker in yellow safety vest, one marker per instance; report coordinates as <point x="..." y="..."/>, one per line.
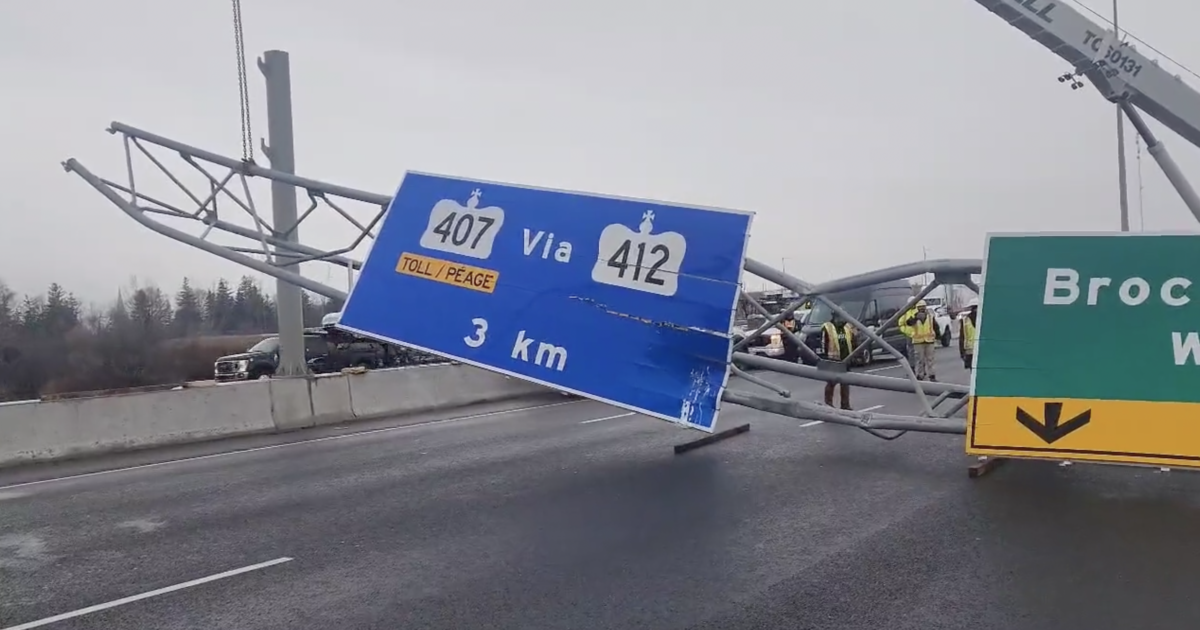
<point x="921" y="328"/>
<point x="967" y="336"/>
<point x="837" y="338"/>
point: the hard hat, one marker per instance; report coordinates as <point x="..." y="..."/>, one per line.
<point x="921" y="303"/>
<point x="973" y="302"/>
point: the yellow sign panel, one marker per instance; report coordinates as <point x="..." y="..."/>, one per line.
<point x="457" y="274"/>
<point x="1115" y="431"/>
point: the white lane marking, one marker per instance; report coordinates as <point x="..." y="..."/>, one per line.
<point x="894" y="366"/>
<point x="142" y="525"/>
<point x="816" y="422"/>
<point x="882" y="369"/>
<point x="274" y="446"/>
<point x="162" y="591"/>
<point x="620" y="415"/>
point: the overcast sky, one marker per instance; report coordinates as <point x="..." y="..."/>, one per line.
<point x="859" y="131"/>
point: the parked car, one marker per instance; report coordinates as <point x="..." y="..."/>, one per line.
<point x="767" y="344"/>
<point x="770" y="342"/>
<point x="324" y="351"/>
<point x="945" y="325"/>
<point x="872" y="306"/>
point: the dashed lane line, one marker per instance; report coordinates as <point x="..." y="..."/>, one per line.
<point x="155" y="593"/>
<point x="620" y="415"/>
<point x="816" y="422"/>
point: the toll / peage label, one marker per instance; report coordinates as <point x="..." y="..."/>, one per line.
<point x="444" y="271"/>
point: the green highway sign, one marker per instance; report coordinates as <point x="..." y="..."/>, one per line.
<point x="1089" y="349"/>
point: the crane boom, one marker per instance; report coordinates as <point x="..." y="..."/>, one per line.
<point x="1118" y="70"/>
<point x="1121" y="73"/>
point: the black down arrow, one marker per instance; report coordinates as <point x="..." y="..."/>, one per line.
<point x="1051" y="431"/>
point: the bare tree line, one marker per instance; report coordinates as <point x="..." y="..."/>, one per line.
<point x="52" y="343"/>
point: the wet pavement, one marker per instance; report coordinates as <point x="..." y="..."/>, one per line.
<point x="577" y="515"/>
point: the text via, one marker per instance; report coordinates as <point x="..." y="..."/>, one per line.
<point x="562" y="253"/>
<point x="547" y="355"/>
<point x="466" y="230"/>
<point x="444" y="271"/>
<point x="1062" y="289"/>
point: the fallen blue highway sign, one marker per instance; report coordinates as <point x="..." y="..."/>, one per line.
<point x="623" y="301"/>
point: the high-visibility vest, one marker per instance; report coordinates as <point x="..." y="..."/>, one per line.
<point x="919" y="332"/>
<point x="833" y="349"/>
<point x="968" y="334"/>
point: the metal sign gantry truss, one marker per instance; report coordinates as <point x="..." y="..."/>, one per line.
<point x="269" y="250"/>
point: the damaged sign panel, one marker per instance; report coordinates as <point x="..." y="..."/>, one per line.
<point x="624" y="301"/>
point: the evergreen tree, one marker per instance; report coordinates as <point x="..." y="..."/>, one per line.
<point x="8" y="308"/>
<point x="253" y="311"/>
<point x="220" y="311"/>
<point x="31" y="313"/>
<point x="189" y="311"/>
<point x="61" y="313"/>
<point x="150" y="312"/>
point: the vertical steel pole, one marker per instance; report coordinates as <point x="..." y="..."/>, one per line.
<point x="1122" y="180"/>
<point x="280" y="149"/>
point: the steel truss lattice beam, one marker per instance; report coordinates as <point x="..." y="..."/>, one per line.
<point x="271" y="251"/>
<point x="932" y="420"/>
<point x="266" y="247"/>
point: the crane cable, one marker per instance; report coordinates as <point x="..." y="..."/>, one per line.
<point x="1139" y="40"/>
<point x="1141" y="187"/>
<point x="243" y="85"/>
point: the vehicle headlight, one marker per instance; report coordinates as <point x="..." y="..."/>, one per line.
<point x="242" y="365"/>
<point x="776" y="340"/>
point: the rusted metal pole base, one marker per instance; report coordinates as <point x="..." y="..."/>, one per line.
<point x="680" y="449"/>
<point x="981" y="468"/>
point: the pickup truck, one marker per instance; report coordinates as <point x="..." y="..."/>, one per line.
<point x="324" y="351"/>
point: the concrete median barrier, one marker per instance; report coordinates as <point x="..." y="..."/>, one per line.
<point x="421" y="388"/>
<point x="70" y="428"/>
<point x="52" y="430"/>
<point x="330" y="396"/>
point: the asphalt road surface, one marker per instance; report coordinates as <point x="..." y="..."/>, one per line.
<point x="575" y="515"/>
